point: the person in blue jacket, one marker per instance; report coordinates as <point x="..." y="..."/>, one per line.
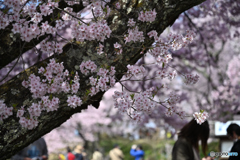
<point x="137" y="152"/>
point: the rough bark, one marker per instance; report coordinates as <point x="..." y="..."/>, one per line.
<point x="14" y="138"/>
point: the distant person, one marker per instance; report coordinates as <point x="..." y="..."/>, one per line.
<point x="233" y="132"/>
<point x="70" y="155"/>
<point x="35" y="151"/>
<point x="116" y="153"/>
<point x="186" y="147"/>
<point x="78" y="152"/>
<point x="97" y="155"/>
<point x="137" y="152"/>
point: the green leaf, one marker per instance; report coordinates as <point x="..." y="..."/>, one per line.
<point x="132" y="96"/>
<point x="163" y="65"/>
<point x="71" y="82"/>
<point x="105" y="10"/>
<point x="72" y="72"/>
<point x="5" y="10"/>
<point x="87" y="92"/>
<point x="201" y="110"/>
<point x="153" y="95"/>
<point x="51" y="96"/>
<point x="14" y="105"/>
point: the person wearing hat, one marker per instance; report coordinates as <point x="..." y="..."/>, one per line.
<point x="78" y="152"/>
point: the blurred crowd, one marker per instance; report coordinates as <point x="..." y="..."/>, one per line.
<point x="79" y="154"/>
<point x="185" y="148"/>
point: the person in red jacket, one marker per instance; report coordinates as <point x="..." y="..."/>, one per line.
<point x="70" y="155"/>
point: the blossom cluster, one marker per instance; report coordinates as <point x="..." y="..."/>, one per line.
<point x="35" y="110"/>
<point x="5" y="111"/>
<point x="173" y="98"/>
<point x="178" y="41"/>
<point x="27" y="33"/>
<point x="14" y="4"/>
<point x="174" y="41"/>
<point x="31" y="29"/>
<point x="117" y="5"/>
<point x="27" y="29"/>
<point x="147" y="16"/>
<point x="162" y="73"/>
<point x="137" y="71"/>
<point x="160" y="50"/>
<point x="87" y="66"/>
<point x="136" y="104"/>
<point x="118" y="48"/>
<point x="74" y="101"/>
<point x="172" y="101"/>
<point x="50" y="47"/>
<point x="131" y="22"/>
<point x="56" y="80"/>
<point x="104" y="81"/>
<point x="174" y="109"/>
<point x="191" y="79"/>
<point x="172" y="74"/>
<point x="134" y="35"/>
<point x="100" y="9"/>
<point x="100" y="49"/>
<point x="95" y="31"/>
<point x="28" y="123"/>
<point x="200" y="117"/>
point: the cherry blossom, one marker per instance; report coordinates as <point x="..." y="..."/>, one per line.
<point x="5" y="111"/>
<point x="201" y="116"/>
<point x="146" y="16"/>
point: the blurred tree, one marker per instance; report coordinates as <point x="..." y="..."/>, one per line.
<point x="214" y="55"/>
